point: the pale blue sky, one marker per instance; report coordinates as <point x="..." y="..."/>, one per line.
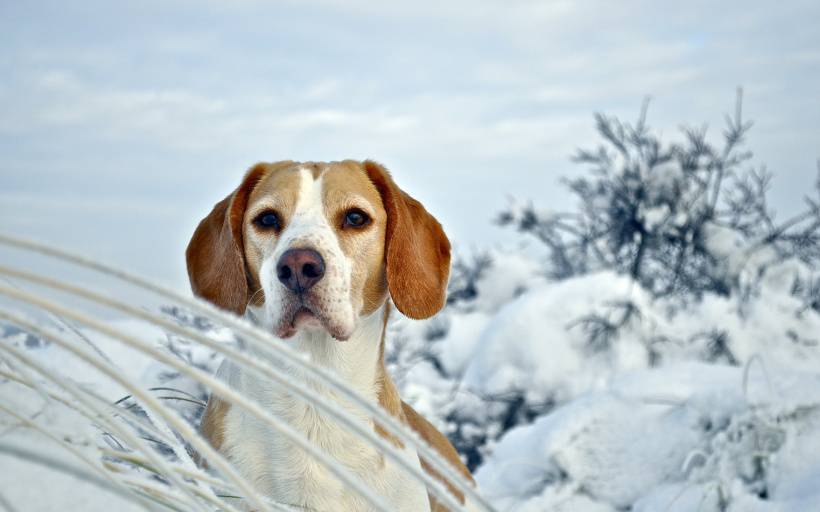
<point x="122" y="123"/>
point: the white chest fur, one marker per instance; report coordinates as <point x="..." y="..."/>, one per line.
<point x="283" y="471"/>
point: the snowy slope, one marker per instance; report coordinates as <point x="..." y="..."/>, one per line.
<point x="589" y="395"/>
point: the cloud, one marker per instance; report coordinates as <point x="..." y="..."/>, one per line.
<point x="478" y="101"/>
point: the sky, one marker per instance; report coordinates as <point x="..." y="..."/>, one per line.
<point x="122" y="123"/>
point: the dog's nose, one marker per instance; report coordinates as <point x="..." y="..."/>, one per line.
<point x="300" y="269"/>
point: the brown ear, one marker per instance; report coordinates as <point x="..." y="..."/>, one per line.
<point x="216" y="255"/>
<point x="417" y="252"/>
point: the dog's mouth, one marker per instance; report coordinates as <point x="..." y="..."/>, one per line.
<point x="301" y="315"/>
<point x="305" y="316"/>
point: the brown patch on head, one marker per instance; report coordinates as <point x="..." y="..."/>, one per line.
<point x="315" y="168"/>
<point x="345" y="186"/>
<point x="215" y="255"/>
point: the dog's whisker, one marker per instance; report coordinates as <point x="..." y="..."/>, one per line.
<point x="252" y="299"/>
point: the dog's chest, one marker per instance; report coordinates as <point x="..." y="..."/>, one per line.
<point x="282" y="470"/>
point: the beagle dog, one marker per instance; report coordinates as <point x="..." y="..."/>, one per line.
<point x="314" y="253"/>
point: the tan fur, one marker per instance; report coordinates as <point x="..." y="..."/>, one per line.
<point x="213" y="421"/>
<point x="389" y="398"/>
<point x="440" y="444"/>
<point x="346" y="187"/>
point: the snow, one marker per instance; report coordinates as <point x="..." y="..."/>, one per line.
<point x="653" y="417"/>
<point x="623" y="446"/>
<point x="726" y="244"/>
<point x="465" y="331"/>
<point x="554" y="357"/>
<point x="654" y="217"/>
<point x="23" y="484"/>
<point x="498" y="286"/>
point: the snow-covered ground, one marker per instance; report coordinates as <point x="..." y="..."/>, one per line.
<point x="588" y="395"/>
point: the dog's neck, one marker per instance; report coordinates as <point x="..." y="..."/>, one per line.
<point x="358" y="361"/>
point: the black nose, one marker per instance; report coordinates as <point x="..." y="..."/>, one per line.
<point x="300" y="269"/>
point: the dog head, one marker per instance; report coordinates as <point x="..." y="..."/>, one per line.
<point x="319" y="246"/>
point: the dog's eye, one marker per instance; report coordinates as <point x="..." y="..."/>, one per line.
<point x="356" y="218"/>
<point x="268" y="220"/>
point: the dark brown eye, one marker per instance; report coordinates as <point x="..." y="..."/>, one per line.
<point x="268" y="220"/>
<point x="356" y="218"/>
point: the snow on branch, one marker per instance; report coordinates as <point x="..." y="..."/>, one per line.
<point x="681" y="218"/>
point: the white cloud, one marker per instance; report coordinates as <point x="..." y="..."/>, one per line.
<point x="188" y="94"/>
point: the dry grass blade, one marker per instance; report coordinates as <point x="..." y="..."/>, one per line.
<point x="265" y="371"/>
<point x="218" y="387"/>
<point x="263" y="341"/>
<point x="218" y="461"/>
<point x="74" y="471"/>
<point x="95" y="414"/>
<point x="106" y="476"/>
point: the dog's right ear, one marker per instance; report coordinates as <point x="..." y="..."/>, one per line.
<point x="216" y="254"/>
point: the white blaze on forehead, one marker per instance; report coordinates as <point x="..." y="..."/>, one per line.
<point x="308" y="227"/>
<point x="309" y="200"/>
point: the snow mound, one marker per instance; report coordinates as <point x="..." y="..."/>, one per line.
<point x="662" y="439"/>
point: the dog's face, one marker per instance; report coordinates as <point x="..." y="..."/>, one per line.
<point x="314" y="247"/>
<point x="318" y="246"/>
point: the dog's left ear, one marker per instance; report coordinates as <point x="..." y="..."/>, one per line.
<point x="216" y="254"/>
<point x="417" y="252"/>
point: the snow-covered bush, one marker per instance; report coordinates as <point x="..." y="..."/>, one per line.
<point x="615" y="371"/>
<point x="681" y="217"/>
